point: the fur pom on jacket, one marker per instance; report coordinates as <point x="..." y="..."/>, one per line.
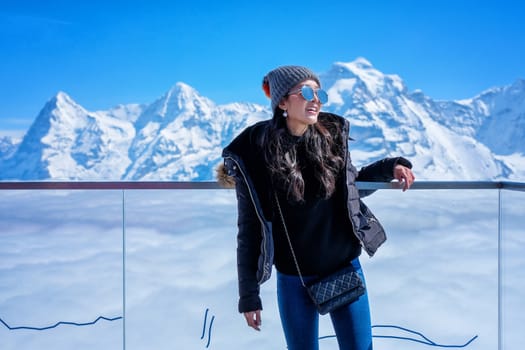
<point x="223" y="179"/>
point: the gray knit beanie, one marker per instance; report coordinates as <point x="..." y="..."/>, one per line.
<point x="278" y="82"/>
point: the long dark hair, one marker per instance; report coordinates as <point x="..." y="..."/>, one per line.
<point x="323" y="146"/>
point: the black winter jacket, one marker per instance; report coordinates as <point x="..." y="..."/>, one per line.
<point x="244" y="168"/>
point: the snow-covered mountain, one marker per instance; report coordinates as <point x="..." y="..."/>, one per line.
<point x="445" y="139"/>
<point x="180" y="135"/>
<point x="67" y="142"/>
<point x="8" y="146"/>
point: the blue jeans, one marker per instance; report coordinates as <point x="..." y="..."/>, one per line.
<point x="300" y="319"/>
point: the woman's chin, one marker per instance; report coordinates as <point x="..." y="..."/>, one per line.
<point x="311" y="118"/>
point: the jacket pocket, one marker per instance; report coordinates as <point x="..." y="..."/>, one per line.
<point x="370" y="230"/>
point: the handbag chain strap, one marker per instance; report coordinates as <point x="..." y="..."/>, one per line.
<point x="289" y="240"/>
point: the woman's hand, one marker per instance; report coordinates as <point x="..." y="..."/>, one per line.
<point x="404" y="175"/>
<point x="254" y="319"/>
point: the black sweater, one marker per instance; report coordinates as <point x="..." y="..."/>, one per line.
<point x="320" y="230"/>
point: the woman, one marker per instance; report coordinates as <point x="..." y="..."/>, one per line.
<point x="297" y="164"/>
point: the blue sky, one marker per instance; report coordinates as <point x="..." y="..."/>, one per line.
<point x="104" y="53"/>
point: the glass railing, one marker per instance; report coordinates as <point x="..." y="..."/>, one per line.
<point x="153" y="266"/>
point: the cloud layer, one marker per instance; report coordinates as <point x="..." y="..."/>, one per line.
<point x="62" y="260"/>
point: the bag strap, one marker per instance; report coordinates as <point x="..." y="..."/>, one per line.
<point x="288" y="238"/>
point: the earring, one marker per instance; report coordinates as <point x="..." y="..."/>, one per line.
<point x="285" y="114"/>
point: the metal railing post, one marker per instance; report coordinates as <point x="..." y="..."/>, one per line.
<point x="123" y="270"/>
<point x="500" y="277"/>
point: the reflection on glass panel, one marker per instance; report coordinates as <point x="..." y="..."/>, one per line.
<point x="181" y="271"/>
<point x="60" y="270"/>
<point x="437" y="273"/>
<point x="433" y="283"/>
<point x="513" y="268"/>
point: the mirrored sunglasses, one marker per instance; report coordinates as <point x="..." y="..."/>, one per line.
<point x="309" y="93"/>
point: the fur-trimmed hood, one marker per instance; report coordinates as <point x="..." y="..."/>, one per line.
<point x="223" y="179"/>
<point x="241" y="153"/>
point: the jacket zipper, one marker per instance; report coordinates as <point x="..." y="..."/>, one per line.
<point x="354" y="229"/>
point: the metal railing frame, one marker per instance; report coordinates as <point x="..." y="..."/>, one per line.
<point x="211" y="185"/>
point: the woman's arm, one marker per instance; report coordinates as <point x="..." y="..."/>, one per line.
<point x="382" y="170"/>
<point x="248" y="248"/>
<point x="386" y="170"/>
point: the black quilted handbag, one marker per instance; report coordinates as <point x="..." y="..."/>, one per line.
<point x="338" y="289"/>
<point x="333" y="291"/>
